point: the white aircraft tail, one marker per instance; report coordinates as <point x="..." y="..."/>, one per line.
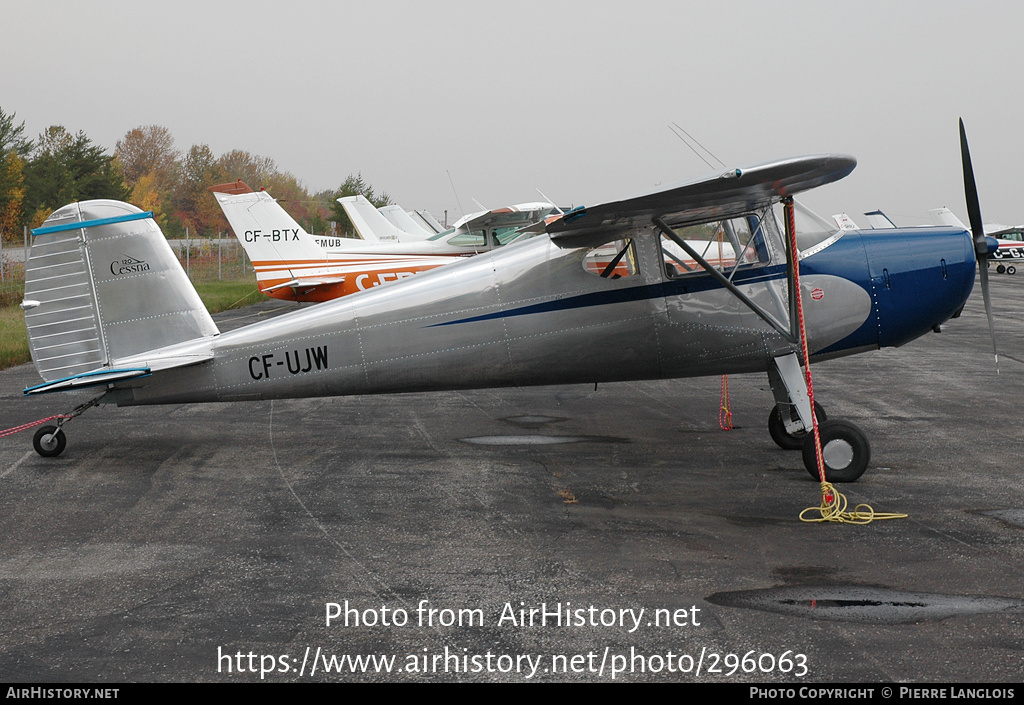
<point x="370" y="224"/>
<point x="879" y="221"/>
<point x="844" y="221"/>
<point x="398" y="217"/>
<point x="428" y="220"/>
<point x="102" y="286"/>
<point x="944" y="216"/>
<point x="263" y="227"/>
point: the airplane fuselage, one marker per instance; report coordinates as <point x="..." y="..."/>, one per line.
<point x="533" y="314"/>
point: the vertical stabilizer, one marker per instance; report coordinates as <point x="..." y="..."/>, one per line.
<point x="263" y="227"/>
<point x="102" y="284"/>
<point x="403" y="221"/>
<point x="370" y="224"/>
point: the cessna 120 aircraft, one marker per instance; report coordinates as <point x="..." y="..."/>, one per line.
<point x="291" y="265"/>
<point x="108" y="306"/>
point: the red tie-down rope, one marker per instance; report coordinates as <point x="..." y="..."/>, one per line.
<point x="833" y="503"/>
<point x="26" y="426"/>
<point x="724" y="413"/>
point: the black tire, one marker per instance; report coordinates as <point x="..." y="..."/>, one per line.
<point x="49" y="441"/>
<point x="845" y="449"/>
<point x="1010" y="269"/>
<point x="1000" y="268"/>
<point x="784" y="439"/>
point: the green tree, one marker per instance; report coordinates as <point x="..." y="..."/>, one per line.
<point x="12" y="137"/>
<point x="63" y="168"/>
<point x="354" y="185"/>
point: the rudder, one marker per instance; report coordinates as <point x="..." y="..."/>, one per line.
<point x="102" y="284"/>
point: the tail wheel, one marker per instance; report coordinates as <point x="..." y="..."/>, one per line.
<point x="844" y="448"/>
<point x="783" y="438"/>
<point x="49" y="441"/>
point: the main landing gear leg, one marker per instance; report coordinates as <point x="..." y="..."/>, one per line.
<point x="50" y="440"/>
<point x="845" y="448"/>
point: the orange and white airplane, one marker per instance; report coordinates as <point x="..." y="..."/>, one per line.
<point x="291" y="265"/>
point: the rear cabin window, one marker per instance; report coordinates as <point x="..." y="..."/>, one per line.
<point x="613" y="260"/>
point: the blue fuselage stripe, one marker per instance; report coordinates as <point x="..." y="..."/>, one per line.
<point x="673" y="287"/>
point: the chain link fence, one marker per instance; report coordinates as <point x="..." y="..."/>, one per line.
<point x="203" y="259"/>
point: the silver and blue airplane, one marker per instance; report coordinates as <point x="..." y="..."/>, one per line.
<point x="606" y="293"/>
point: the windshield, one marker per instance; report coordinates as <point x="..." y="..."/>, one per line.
<point x="813" y="233"/>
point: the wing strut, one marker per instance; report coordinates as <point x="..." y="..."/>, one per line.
<point x="792" y="335"/>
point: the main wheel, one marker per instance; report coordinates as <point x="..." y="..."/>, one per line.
<point x="844" y="448"/>
<point x="1011" y="269"/>
<point x="49" y="441"/>
<point x="779" y="434"/>
<point x="1000" y="268"/>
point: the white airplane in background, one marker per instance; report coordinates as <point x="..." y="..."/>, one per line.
<point x="470" y="234"/>
<point x="401" y="219"/>
<point x="1010" y="238"/>
<point x="291" y="265"/>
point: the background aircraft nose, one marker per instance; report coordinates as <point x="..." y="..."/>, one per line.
<point x="919" y="278"/>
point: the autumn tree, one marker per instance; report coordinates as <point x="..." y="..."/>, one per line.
<point x="150" y="164"/>
<point x="14" y="148"/>
<point x="147" y="150"/>
<point x="195" y="208"/>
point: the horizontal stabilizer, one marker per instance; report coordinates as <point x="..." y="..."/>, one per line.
<point x="88" y="379"/>
<point x="721" y="195"/>
<point x="311" y="282"/>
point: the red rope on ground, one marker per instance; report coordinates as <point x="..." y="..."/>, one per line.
<point x="26" y="426"/>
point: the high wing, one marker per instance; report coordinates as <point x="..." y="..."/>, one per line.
<point x="721" y="195"/>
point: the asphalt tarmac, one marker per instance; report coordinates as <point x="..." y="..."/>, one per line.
<point x="212" y="542"/>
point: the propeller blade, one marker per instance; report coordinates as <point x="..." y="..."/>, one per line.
<point x="977" y="232"/>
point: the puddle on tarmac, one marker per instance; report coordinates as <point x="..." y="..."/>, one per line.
<point x="863" y="604"/>
<point x="1010" y="516"/>
<point x="533" y="420"/>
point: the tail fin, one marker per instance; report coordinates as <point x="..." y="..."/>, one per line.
<point x="370" y="224"/>
<point x="263" y="227"/>
<point x="844" y="221"/>
<point x="395" y="215"/>
<point x="102" y="285"/>
<point x="428" y="220"/>
<point x="944" y="216"/>
<point x="879" y="221"/>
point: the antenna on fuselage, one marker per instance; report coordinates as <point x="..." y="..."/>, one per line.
<point x="457" y="201"/>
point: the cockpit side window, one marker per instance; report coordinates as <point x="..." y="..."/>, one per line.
<point x="728" y="245"/>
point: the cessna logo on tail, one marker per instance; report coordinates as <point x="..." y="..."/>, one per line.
<point x="128" y="265"/>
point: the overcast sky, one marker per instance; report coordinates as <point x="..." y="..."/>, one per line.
<point x="572" y="98"/>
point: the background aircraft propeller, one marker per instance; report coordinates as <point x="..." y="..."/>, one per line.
<point x="978" y="232"/>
